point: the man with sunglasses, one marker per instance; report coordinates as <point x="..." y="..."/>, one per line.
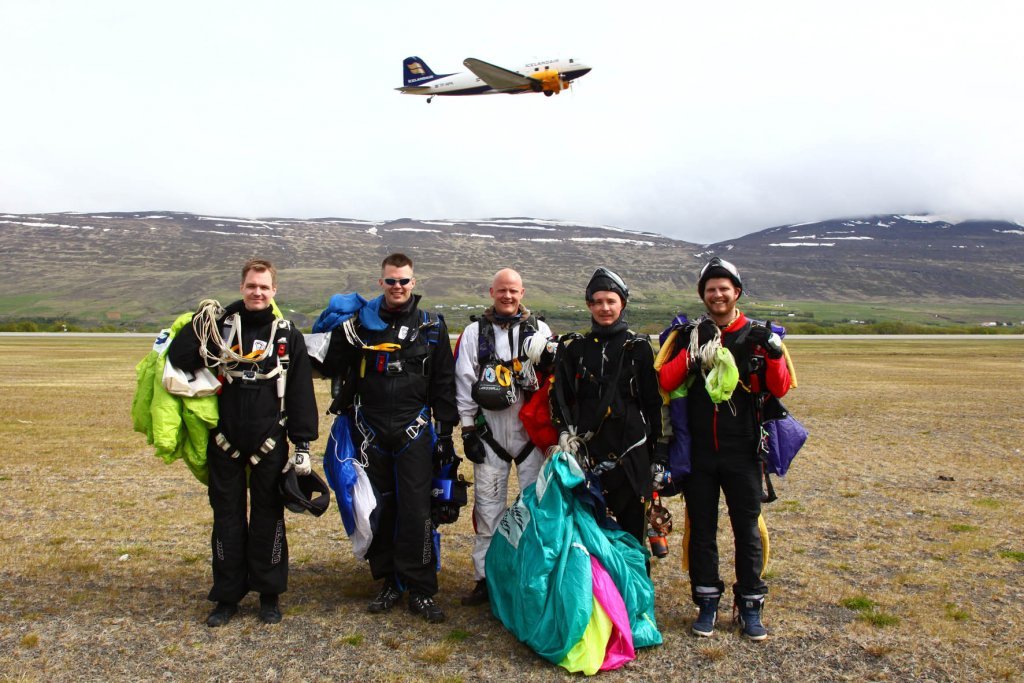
<point x="725" y="438"/>
<point x="399" y="372"/>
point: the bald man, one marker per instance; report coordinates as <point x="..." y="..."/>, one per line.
<point x="490" y="388"/>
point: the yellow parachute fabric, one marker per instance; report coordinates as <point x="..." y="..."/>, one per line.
<point x="588" y="654"/>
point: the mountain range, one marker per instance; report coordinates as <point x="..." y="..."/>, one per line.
<point x="141" y="268"/>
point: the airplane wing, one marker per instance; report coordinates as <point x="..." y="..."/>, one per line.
<point x="497" y="77"/>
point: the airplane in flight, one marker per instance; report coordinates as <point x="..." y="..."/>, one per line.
<point x="550" y="76"/>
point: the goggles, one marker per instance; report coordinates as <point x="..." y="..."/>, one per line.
<point x="392" y="281"/>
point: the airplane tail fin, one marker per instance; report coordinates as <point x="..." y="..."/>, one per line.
<point x="415" y="71"/>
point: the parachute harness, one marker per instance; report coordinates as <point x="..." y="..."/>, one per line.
<point x="218" y="348"/>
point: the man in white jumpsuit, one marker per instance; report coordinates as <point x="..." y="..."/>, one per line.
<point x="499" y="439"/>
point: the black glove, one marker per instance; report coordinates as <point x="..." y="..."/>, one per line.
<point x="444" y="449"/>
<point x="692" y="365"/>
<point x="473" y="445"/>
<point x="706" y="331"/>
<point x="763" y="336"/>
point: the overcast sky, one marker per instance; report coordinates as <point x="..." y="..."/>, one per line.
<point x="700" y="120"/>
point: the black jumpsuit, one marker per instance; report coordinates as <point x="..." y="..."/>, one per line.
<point x="585" y="371"/>
<point x="252" y="554"/>
<point x="393" y="390"/>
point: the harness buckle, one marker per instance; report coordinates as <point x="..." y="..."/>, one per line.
<point x="248" y="375"/>
<point x="393" y="368"/>
<point x="413" y="430"/>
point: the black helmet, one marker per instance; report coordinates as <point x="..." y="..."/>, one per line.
<point x="718" y="267"/>
<point x="604" y="280"/>
<point x="299" y="493"/>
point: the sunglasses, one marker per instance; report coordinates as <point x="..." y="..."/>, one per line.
<point x="392" y="281"/>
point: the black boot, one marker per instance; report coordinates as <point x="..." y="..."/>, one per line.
<point x="222" y="614"/>
<point x="270" y="613"/>
<point x="387" y="597"/>
<point x="478" y="596"/>
<point x="425" y="606"/>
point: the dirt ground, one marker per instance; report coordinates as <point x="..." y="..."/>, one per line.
<point x="897" y="542"/>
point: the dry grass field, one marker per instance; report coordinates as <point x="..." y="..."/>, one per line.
<point x="898" y="542"/>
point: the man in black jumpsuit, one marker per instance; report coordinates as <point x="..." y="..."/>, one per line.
<point x="400" y="377"/>
<point x="252" y="554"/>
<point x="606" y="386"/>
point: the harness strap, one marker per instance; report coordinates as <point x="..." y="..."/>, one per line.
<point x="487" y="435"/>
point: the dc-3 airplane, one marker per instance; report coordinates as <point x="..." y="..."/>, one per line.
<point x="549" y="76"/>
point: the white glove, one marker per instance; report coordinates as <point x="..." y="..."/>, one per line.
<point x="299" y="459"/>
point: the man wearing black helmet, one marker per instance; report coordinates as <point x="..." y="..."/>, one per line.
<point x="724" y="454"/>
<point x="265" y="399"/>
<point x="607" y="405"/>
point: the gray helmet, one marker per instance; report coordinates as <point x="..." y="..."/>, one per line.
<point x="718" y="267"/>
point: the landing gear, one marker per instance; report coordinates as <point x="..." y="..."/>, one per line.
<point x="548" y="93"/>
<point x="430" y="98"/>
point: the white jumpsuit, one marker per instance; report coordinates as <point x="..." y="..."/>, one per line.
<point x="490" y="478"/>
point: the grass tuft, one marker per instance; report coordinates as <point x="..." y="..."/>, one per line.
<point x="435" y="654"/>
<point x="354" y="640"/>
<point x="457" y="635"/>
<point x="858" y="603"/>
<point x="878" y="618"/>
<point x="1012" y="555"/>
<point x="30" y="640"/>
<point x="956" y="613"/>
<point x="713" y="653"/>
<point x="990" y="503"/>
<point x="962" y="528"/>
<point x="878" y="650"/>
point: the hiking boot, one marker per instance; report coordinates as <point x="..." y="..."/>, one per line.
<point x="270" y="613"/>
<point x="478" y="596"/>
<point x="704" y="626"/>
<point x="386" y="599"/>
<point x="425" y="606"/>
<point x="749" y="617"/>
<point x="222" y="614"/>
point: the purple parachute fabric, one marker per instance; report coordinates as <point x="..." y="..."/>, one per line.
<point x="785" y="438"/>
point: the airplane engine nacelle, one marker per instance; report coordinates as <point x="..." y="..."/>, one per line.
<point x="551" y="81"/>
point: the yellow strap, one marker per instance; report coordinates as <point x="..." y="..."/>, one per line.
<point x="789" y="366"/>
<point x="386" y="347"/>
<point x="762" y="527"/>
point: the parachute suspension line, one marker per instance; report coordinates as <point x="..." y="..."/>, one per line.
<point x="707" y="354"/>
<point x="214" y="348"/>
